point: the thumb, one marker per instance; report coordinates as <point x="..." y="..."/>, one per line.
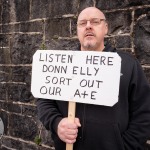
<point x="77" y="122"/>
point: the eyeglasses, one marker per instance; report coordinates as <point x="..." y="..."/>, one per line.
<point x="93" y="22"/>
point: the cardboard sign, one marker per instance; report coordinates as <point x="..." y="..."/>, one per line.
<point x="79" y="76"/>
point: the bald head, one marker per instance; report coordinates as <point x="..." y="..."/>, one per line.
<point x="91" y="12"/>
<point x="91" y="29"/>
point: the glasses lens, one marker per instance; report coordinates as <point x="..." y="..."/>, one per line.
<point x="93" y="22"/>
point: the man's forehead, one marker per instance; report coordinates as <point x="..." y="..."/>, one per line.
<point x="90" y="13"/>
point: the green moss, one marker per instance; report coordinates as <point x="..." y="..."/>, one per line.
<point x="37" y="140"/>
<point x="43" y="46"/>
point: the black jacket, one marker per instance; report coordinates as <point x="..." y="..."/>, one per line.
<point x="125" y="126"/>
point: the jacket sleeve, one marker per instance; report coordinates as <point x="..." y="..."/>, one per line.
<point x="49" y="114"/>
<point x="138" y="130"/>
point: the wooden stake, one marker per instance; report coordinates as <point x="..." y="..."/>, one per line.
<point x="71" y="117"/>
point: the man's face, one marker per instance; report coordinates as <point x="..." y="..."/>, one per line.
<point x="91" y="29"/>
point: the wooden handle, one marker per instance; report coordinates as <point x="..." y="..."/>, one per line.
<point x="71" y="117"/>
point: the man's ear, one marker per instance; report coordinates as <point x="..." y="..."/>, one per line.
<point x="106" y="28"/>
<point x="77" y="31"/>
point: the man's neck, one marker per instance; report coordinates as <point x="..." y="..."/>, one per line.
<point x="93" y="49"/>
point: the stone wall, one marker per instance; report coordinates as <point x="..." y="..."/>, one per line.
<point x="28" y="25"/>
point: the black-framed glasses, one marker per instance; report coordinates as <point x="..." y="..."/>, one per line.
<point x="93" y="22"/>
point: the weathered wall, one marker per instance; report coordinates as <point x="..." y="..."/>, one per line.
<point x="25" y="25"/>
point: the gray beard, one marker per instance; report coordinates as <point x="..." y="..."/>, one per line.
<point x="88" y="47"/>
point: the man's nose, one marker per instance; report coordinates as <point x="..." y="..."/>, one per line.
<point x="88" y="25"/>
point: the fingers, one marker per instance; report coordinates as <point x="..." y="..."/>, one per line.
<point x="77" y="122"/>
<point x="71" y="136"/>
<point x="70" y="141"/>
<point x="67" y="131"/>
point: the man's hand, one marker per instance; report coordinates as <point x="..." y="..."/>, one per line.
<point x="67" y="131"/>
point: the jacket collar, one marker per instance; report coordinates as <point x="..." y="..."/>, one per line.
<point x="108" y="48"/>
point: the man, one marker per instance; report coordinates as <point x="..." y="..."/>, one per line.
<point x="126" y="125"/>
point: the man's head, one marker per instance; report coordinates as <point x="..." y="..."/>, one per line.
<point x="91" y="29"/>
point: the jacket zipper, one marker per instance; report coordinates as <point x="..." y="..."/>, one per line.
<point x="81" y="138"/>
<point x="84" y="118"/>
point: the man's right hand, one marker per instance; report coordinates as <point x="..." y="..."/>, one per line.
<point x="67" y="131"/>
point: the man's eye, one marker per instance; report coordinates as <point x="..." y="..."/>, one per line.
<point x="82" y="23"/>
<point x="95" y="22"/>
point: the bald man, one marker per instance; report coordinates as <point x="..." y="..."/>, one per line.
<point x="91" y="29"/>
<point x="126" y="125"/>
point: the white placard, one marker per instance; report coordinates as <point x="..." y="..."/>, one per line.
<point x="79" y="76"/>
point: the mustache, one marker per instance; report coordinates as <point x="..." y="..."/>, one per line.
<point x="89" y="34"/>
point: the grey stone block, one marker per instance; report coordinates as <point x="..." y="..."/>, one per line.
<point x="22" y="127"/>
<point x="109" y="4"/>
<point x="123" y="42"/>
<point x="141" y="40"/>
<point x="3" y="89"/>
<point x="56" y="28"/>
<point x="23" y="47"/>
<point x="36" y="26"/>
<point x="119" y="22"/>
<point x="22" y="9"/>
<point x="52" y="8"/>
<point x="19" y="92"/>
